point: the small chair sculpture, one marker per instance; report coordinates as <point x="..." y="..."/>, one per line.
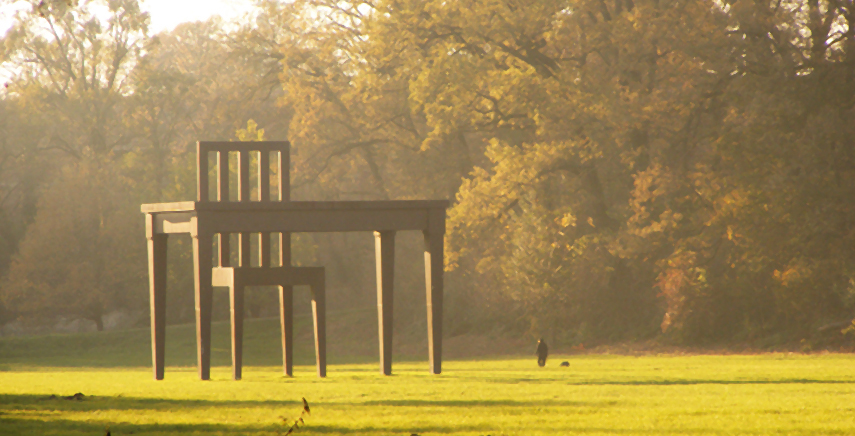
<point x="236" y="279"/>
<point x="284" y="276"/>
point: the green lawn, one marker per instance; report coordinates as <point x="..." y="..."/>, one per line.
<point x="597" y="394"/>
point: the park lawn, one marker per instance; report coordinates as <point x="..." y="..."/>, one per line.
<point x="598" y="394"/>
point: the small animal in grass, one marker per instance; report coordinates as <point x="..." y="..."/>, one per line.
<point x="565" y="363"/>
<point x="542" y="353"/>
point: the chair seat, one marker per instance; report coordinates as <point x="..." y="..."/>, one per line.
<point x="285" y="277"/>
<point x="272" y="276"/>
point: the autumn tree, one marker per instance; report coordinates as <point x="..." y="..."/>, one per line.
<point x="768" y="251"/>
<point x="82" y="257"/>
<point x="544" y="103"/>
<point x="619" y="168"/>
<point x="623" y="160"/>
<point x="101" y="96"/>
<point x="74" y="67"/>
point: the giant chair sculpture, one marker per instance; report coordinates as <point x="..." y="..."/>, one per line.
<point x="203" y="219"/>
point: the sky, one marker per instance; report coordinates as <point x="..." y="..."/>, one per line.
<point x="165" y="14"/>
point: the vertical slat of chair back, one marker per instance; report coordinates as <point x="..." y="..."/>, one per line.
<point x="223" y="175"/>
<point x="224" y="253"/>
<point x="283" y="180"/>
<point x="284" y="249"/>
<point x="244" y="253"/>
<point x="283" y="172"/>
<point x="243" y="176"/>
<point x="243" y="197"/>
<point x="202" y="171"/>
<point x="264" y="176"/>
<point x="264" y="250"/>
<point x="281" y="160"/>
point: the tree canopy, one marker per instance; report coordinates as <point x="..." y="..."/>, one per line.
<point x="619" y="169"/>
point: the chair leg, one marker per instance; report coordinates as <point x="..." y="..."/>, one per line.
<point x="286" y="320"/>
<point x="319" y="313"/>
<point x="236" y="294"/>
<point x="202" y="256"/>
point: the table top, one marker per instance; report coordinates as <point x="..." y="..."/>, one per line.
<point x="190" y="206"/>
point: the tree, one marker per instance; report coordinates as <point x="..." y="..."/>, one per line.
<point x="24" y="167"/>
<point x="75" y="67"/>
<point x="198" y="82"/>
<point x="571" y="97"/>
<point x="69" y="77"/>
<point x="767" y="253"/>
<point x="624" y="159"/>
<point x="354" y="130"/>
<point x="83" y="256"/>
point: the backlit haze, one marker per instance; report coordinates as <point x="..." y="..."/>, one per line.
<point x="165" y="14"/>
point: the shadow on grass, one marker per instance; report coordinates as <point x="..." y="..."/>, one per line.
<point x="105" y="403"/>
<point x="43" y="415"/>
<point x="65" y="427"/>
<point x="102" y="403"/>
<point x="71" y="428"/>
<point x="40" y="415"/>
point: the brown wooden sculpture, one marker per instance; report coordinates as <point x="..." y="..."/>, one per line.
<point x="285" y="277"/>
<point x="206" y="218"/>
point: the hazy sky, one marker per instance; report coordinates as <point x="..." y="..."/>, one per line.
<point x="165" y="14"/>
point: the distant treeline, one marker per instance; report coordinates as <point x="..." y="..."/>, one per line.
<point x="618" y="169"/>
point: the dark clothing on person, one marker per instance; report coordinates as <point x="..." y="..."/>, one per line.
<point x="542" y="352"/>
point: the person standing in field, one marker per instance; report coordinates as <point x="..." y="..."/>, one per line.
<point x="542" y="352"/>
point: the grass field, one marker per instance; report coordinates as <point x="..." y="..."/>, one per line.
<point x="598" y="394"/>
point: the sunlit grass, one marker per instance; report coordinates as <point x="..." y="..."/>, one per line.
<point x="597" y="394"/>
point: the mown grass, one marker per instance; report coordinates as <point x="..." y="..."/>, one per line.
<point x="598" y="394"/>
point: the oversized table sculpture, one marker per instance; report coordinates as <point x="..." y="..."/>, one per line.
<point x="207" y="219"/>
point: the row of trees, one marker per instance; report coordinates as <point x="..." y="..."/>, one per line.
<point x="619" y="168"/>
<point x="98" y="117"/>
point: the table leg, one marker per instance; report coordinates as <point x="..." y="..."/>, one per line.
<point x="384" y="250"/>
<point x="434" y="288"/>
<point x="157" y="296"/>
<point x="319" y="313"/>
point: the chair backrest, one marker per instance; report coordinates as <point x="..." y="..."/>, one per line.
<point x="244" y="150"/>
